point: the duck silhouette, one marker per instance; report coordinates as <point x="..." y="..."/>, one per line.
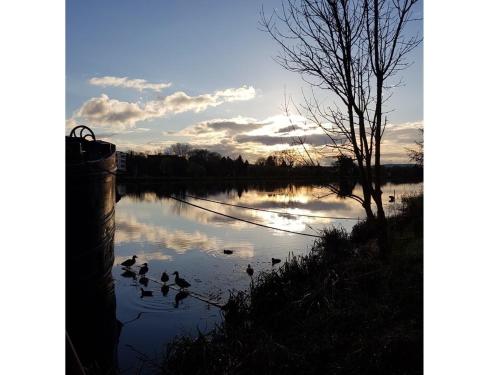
<point x="164" y="277"/>
<point x="146" y="293"/>
<point x="181" y="282"/>
<point x="164" y="290"/>
<point x="144" y="269"/>
<point x="179" y="297"/>
<point x="129" y="262"/>
<point x="275" y="261"/>
<point x="392" y="198"/>
<point x="228" y="252"/>
<point x="250" y="270"/>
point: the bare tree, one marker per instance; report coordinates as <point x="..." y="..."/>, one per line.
<point x="180" y="149"/>
<point x="351" y="49"/>
<point x="417" y="154"/>
<point x="288" y="157"/>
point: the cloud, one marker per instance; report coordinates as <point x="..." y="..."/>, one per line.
<point x="287" y="129"/>
<point x="136" y="84"/>
<point x="311" y="139"/>
<point x="252" y="138"/>
<point x="227" y="126"/>
<point x="120" y="115"/>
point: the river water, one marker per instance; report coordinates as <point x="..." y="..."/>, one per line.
<point x="170" y="235"/>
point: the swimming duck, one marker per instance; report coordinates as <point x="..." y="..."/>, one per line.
<point x="181" y="282"/>
<point x="129" y="262"/>
<point x="275" y="261"/>
<point x="250" y="270"/>
<point x="392" y="198"/>
<point x="144" y="269"/>
<point x="164" y="290"/>
<point x="164" y="277"/>
<point x="228" y="252"/>
<point x="146" y="293"/>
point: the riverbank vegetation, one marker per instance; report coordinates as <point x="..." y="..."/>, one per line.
<point x="204" y="164"/>
<point x="339" y="310"/>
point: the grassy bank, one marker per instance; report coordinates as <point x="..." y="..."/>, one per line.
<point x="338" y="310"/>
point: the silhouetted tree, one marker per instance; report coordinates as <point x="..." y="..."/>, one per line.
<point x="271" y="161"/>
<point x="260" y="162"/>
<point x="180" y="149"/>
<point x="351" y="48"/>
<point x="416" y="155"/>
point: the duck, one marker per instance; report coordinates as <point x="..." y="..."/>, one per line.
<point x="164" y="277"/>
<point x="228" y="252"/>
<point x="392" y="198"/>
<point x="181" y="282"/>
<point x="179" y="297"/>
<point x="275" y="261"/>
<point x="144" y="269"/>
<point x="146" y="293"/>
<point x="164" y="289"/>
<point x="129" y="262"/>
<point x="144" y="281"/>
<point x="250" y="270"/>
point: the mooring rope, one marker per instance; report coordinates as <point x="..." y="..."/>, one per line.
<point x="272" y="211"/>
<point x="243" y="220"/>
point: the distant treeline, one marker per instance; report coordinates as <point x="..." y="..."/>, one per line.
<point x="201" y="164"/>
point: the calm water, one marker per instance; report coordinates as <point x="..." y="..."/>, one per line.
<point x="173" y="236"/>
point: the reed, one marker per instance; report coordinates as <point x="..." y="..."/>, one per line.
<point x="337" y="310"/>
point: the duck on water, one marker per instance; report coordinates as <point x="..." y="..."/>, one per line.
<point x="144" y="269"/>
<point x="129" y="262"/>
<point x="181" y="282"/>
<point x="164" y="277"/>
<point x="250" y="270"/>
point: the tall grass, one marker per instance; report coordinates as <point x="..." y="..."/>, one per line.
<point x="337" y="310"/>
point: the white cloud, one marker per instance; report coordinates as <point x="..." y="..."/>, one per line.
<point x="120" y="115"/>
<point x="254" y="138"/>
<point x="136" y="84"/>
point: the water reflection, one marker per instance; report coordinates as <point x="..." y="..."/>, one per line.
<point x="144" y="281"/>
<point x="168" y="235"/>
<point x="164" y="290"/>
<point x="179" y="297"/>
<point x="128" y="273"/>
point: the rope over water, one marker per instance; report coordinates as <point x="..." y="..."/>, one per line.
<point x="251" y="208"/>
<point x="244" y="220"/>
<point x="275" y="212"/>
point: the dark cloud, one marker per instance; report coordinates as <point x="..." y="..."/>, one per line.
<point x="230" y="127"/>
<point x="404" y="133"/>
<point x="289" y="128"/>
<point x="312" y="139"/>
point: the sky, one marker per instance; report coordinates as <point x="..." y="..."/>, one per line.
<point x="144" y="75"/>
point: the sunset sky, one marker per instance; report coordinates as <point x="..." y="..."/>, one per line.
<point x="144" y="75"/>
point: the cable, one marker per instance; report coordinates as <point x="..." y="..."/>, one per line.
<point x="275" y="212"/>
<point x="244" y="220"/>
